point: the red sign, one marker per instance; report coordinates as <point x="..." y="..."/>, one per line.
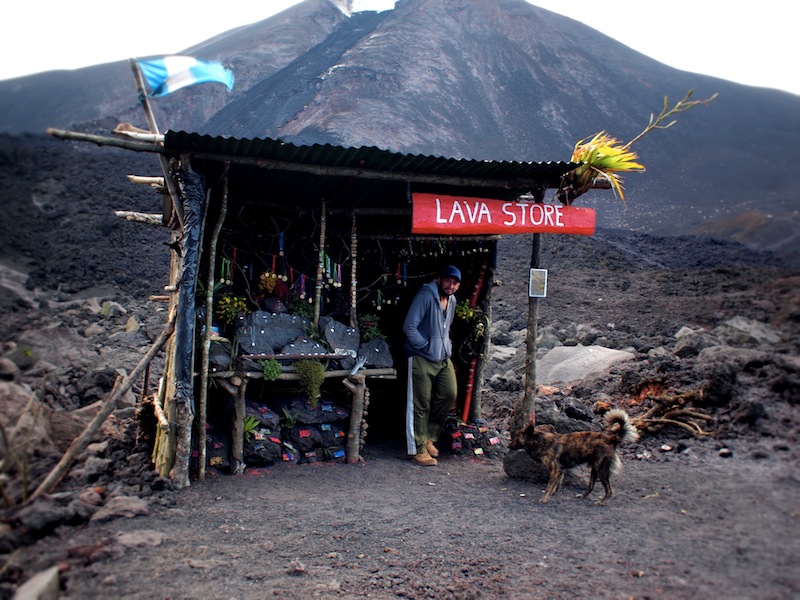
<point x="462" y="215"/>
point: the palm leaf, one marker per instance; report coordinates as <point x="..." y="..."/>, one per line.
<point x="603" y="157"/>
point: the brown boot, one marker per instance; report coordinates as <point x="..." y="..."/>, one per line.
<point x="425" y="459"/>
<point x="432" y="450"/>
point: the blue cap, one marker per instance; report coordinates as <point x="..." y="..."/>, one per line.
<point x="450" y="271"/>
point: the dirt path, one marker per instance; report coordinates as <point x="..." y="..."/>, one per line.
<point x="691" y="527"/>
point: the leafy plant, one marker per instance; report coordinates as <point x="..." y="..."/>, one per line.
<point x="313" y="333"/>
<point x="475" y="318"/>
<point x="477" y="322"/>
<point x="369" y="328"/>
<point x="250" y="425"/>
<point x="289" y="418"/>
<point x="201" y="287"/>
<point x="464" y="310"/>
<point x="229" y="307"/>
<point x="604" y="157"/>
<point x="301" y="308"/>
<point x="271" y="369"/>
<point x="311" y="374"/>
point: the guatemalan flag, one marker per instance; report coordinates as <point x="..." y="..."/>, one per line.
<point x="170" y="73"/>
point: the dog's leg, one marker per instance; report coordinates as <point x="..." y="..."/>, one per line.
<point x="592" y="480"/>
<point x="604" y="475"/>
<point x="608" y="493"/>
<point x="552" y="483"/>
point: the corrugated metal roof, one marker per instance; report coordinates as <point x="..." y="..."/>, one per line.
<point x="276" y="171"/>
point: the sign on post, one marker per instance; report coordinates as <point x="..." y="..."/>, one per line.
<point x="537" y="284"/>
<point x="452" y="215"/>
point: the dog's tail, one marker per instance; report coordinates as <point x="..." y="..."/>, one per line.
<point x="618" y="423"/>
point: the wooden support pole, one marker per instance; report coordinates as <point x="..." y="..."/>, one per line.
<point x="477" y="392"/>
<point x="146" y="218"/>
<point x="237" y="430"/>
<point x="121" y="387"/>
<point x="320" y="268"/>
<point x="166" y="440"/>
<point x="202" y="409"/>
<point x="174" y="193"/>
<point x="353" y="273"/>
<point x="524" y="411"/>
<point x="181" y="396"/>
<point x="158" y="406"/>
<point x="357" y="386"/>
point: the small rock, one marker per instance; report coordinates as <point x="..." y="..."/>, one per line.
<point x="296" y="567"/>
<point x="132" y="324"/>
<point x="110" y="309"/>
<point x="9" y="371"/>
<point x="121" y="506"/>
<point x="42" y="586"/>
<point x="95" y="329"/>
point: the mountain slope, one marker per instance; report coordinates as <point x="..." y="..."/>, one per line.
<point x="499" y="79"/>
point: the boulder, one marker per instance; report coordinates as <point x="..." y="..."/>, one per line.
<point x="57" y="346"/>
<point x="740" y="331"/>
<point x="377" y="353"/>
<point x="573" y="363"/>
<point x="25" y="419"/>
<point x="262" y="332"/>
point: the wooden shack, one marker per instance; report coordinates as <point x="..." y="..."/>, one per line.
<point x="288" y="257"/>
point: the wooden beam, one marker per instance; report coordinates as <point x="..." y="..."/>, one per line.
<point x="381" y="373"/>
<point x="147" y="218"/>
<point x="142" y="180"/>
<point x="102" y="140"/>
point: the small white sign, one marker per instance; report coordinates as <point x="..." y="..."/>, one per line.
<point x="537" y="286"/>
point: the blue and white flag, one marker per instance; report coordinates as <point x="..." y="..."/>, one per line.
<point x="170" y="73"/>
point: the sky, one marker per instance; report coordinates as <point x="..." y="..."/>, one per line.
<point x="746" y="42"/>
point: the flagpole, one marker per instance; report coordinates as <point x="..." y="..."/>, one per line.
<point x="151" y="123"/>
<point x="148" y="111"/>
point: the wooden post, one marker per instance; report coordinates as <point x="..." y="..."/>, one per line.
<point x="320" y="267"/>
<point x="357" y="386"/>
<point x="524" y="411"/>
<point x="210" y="280"/>
<point x="165" y="440"/>
<point x="353" y="273"/>
<point x="183" y="368"/>
<point x="477" y="391"/>
<point x="151" y="123"/>
<point x="237" y="429"/>
<point x="473" y="363"/>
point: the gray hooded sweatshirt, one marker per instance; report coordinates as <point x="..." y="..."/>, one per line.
<point x="427" y="327"/>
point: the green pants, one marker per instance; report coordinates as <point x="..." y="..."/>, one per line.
<point x="431" y="395"/>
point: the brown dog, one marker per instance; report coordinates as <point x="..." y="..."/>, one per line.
<point x="559" y="452"/>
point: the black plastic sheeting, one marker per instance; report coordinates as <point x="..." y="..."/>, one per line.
<point x="193" y="194"/>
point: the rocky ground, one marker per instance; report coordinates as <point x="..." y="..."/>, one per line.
<point x="707" y="505"/>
